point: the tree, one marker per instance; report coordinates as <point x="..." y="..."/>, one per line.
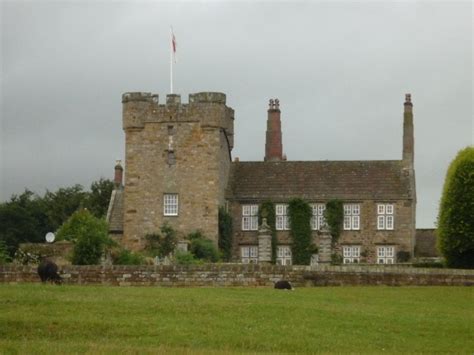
<point x="22" y="219"/>
<point x="90" y="235"/>
<point x="456" y="212"/>
<point x="300" y="213"/>
<point x="99" y="197"/>
<point x="60" y="205"/>
<point x="225" y="233"/>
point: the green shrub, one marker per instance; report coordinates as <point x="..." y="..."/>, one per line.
<point x="456" y="213"/>
<point x="161" y="244"/>
<point x="300" y="213"/>
<point x="225" y="233"/>
<point x="127" y="257"/>
<point x="403" y="256"/>
<point x="334" y="216"/>
<point x="336" y="259"/>
<point x="4" y="256"/>
<point x="186" y="258"/>
<point x="267" y="210"/>
<point x="430" y="264"/>
<point x="203" y="248"/>
<point x="90" y="235"/>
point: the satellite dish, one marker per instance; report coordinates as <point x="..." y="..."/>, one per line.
<point x="50" y="237"/>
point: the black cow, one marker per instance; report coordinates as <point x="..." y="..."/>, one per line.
<point x="283" y="285"/>
<point x="48" y="271"/>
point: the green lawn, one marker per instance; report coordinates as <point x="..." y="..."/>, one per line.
<point x="48" y="319"/>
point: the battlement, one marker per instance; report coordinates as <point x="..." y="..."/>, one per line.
<point x="208" y="108"/>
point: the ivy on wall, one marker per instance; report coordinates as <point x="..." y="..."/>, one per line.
<point x="334" y="215"/>
<point x="267" y="210"/>
<point x="225" y="234"/>
<point x="299" y="213"/>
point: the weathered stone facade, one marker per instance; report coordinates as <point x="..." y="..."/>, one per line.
<point x="185" y="150"/>
<point x="175" y="148"/>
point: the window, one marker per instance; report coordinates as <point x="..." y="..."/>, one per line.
<point x="318" y="220"/>
<point x="249" y="217"/>
<point x="385" y="218"/>
<point x="249" y="254"/>
<point x="351" y="254"/>
<point x="283" y="255"/>
<point x="281" y="222"/>
<point x="170" y="204"/>
<point x="351" y="217"/>
<point x="385" y="255"/>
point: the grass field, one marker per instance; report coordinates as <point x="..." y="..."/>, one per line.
<point x="75" y="319"/>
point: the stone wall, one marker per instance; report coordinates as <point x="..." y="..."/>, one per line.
<point x="252" y="275"/>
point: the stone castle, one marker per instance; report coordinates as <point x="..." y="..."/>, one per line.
<point x="179" y="170"/>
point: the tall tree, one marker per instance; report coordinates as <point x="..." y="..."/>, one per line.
<point x="456" y="212"/>
<point x="99" y="197"/>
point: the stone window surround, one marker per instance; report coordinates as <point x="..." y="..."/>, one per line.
<point x="170" y="204"/>
<point x="385" y="216"/>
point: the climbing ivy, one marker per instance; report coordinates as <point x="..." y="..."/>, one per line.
<point x="225" y="233"/>
<point x="334" y="215"/>
<point x="267" y="210"/>
<point x="299" y="212"/>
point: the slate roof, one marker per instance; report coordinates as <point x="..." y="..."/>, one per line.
<point x="115" y="212"/>
<point x="319" y="180"/>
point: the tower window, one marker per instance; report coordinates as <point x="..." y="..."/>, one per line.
<point x="170" y="204"/>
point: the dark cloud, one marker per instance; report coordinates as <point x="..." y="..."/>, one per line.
<point x="339" y="69"/>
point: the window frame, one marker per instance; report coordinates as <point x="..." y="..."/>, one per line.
<point x="249" y="254"/>
<point x="284" y="255"/>
<point x="170" y="209"/>
<point x="317" y="216"/>
<point x="351" y="254"/>
<point x="249" y="217"/>
<point x="281" y="217"/>
<point x="386" y="254"/>
<point x="385" y="213"/>
<point x="351" y="216"/>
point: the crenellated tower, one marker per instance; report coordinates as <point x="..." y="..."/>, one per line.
<point x="177" y="159"/>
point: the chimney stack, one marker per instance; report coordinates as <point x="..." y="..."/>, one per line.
<point x="408" y="133"/>
<point x="273" y="143"/>
<point x="118" y="178"/>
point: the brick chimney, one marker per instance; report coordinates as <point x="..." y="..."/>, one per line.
<point x="408" y="133"/>
<point x="118" y="178"/>
<point x="273" y="143"/>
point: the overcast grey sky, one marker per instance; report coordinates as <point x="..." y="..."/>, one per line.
<point x="340" y="70"/>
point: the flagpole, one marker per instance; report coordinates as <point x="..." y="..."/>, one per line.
<point x="171" y="60"/>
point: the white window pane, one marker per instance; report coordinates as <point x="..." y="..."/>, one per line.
<point x="321" y="222"/>
<point x="279" y="210"/>
<point x="389" y="251"/>
<point x="381" y="252"/>
<point x="356" y="210"/>
<point x="381" y="222"/>
<point x="389" y="222"/>
<point x="321" y="209"/>
<point x="355" y="222"/>
<point x="245" y="252"/>
<point x="389" y="209"/>
<point x="347" y="222"/>
<point x="279" y="223"/>
<point x="254" y="210"/>
<point x="347" y="210"/>
<point x="380" y="209"/>
<point x="346" y="252"/>
<point x="253" y="252"/>
<point x="245" y="223"/>
<point x="314" y="223"/>
<point x="246" y="210"/>
<point x="254" y="223"/>
<point x="314" y="209"/>
<point x="389" y="261"/>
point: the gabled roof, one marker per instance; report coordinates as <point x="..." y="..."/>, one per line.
<point x="319" y="180"/>
<point x="115" y="212"/>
